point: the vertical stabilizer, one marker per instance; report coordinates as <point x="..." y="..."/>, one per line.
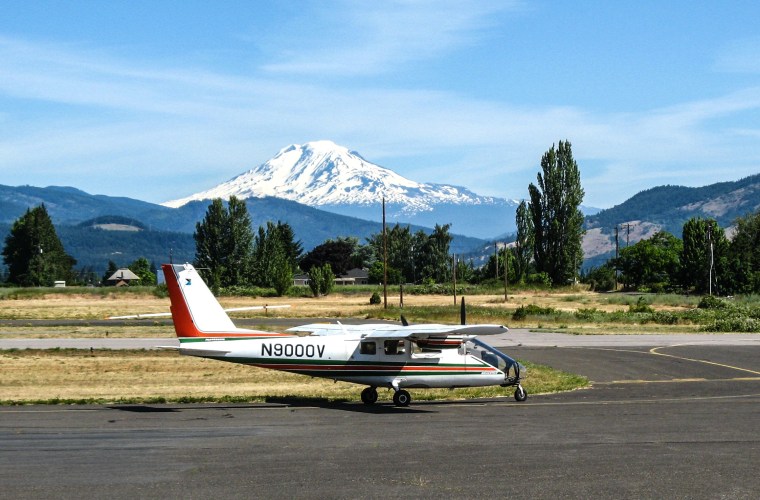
<point x="195" y="310"/>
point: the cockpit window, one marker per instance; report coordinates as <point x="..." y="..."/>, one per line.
<point x="394" y="347"/>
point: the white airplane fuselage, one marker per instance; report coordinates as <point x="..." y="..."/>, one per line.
<point x="379" y="363"/>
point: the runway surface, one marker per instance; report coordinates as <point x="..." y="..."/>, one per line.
<point x="659" y="422"/>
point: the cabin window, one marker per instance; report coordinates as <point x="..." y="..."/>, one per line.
<point x="367" y="348"/>
<point x="394" y="347"/>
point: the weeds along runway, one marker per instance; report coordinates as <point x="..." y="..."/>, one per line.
<point x="676" y="421"/>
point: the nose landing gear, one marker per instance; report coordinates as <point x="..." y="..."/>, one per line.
<point x="402" y="398"/>
<point x="520" y="393"/>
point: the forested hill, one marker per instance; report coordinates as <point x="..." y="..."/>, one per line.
<point x="670" y="206"/>
<point x="86" y="223"/>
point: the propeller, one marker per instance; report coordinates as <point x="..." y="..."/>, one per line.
<point x="404" y="322"/>
<point x="463" y="313"/>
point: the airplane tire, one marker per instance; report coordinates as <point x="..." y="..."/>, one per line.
<point x="369" y="396"/>
<point x="402" y="398"/>
<point x="520" y="394"/>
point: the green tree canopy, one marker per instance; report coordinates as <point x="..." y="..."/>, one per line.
<point x="698" y="265"/>
<point x="33" y="252"/>
<point x="556" y="216"/>
<point x="744" y="256"/>
<point x="223" y="242"/>
<point x="338" y="253"/>
<point x="142" y="268"/>
<point x="654" y="263"/>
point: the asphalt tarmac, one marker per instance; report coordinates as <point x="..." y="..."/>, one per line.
<point x="663" y="421"/>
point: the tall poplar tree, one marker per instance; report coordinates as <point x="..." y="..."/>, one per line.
<point x="557" y="219"/>
<point x="33" y="252"/>
<point x="524" y="241"/>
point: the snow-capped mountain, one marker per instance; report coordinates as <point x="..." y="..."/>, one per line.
<point x="323" y="173"/>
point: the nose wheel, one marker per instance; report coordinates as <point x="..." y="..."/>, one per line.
<point x="520" y="394"/>
<point x="402" y="398"/>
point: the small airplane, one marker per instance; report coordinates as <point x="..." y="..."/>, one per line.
<point x="375" y="355"/>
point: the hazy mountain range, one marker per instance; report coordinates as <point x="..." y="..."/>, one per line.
<point x="324" y="190"/>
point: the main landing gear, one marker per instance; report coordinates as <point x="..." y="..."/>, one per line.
<point x="400" y="397"/>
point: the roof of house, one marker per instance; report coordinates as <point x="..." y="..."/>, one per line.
<point x="123" y="274"/>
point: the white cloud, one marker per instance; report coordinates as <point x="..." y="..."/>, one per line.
<point x="361" y="38"/>
<point x="198" y="127"/>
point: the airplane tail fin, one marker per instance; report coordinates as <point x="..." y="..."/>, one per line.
<point x="195" y="310"/>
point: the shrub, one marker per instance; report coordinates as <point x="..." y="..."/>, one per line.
<point x="523" y="312"/>
<point x="374" y="299"/>
<point x="734" y="324"/>
<point x="712" y="302"/>
<point x="641" y="306"/>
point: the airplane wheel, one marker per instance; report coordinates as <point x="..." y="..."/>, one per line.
<point x="402" y="398"/>
<point x="369" y="396"/>
<point x="520" y="394"/>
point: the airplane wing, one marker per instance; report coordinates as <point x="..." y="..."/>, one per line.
<point x="167" y="314"/>
<point x="385" y="331"/>
<point x="425" y="331"/>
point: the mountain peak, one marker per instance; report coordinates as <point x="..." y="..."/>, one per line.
<point x="321" y="173"/>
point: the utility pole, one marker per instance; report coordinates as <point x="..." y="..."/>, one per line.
<point x="385" y="261"/>
<point x="454" y="274"/>
<point x="617" y="252"/>
<point x="628" y="234"/>
<point x="710" y="240"/>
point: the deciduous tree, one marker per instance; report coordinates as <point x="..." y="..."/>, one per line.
<point x="555" y="212"/>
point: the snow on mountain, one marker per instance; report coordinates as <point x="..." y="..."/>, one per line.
<point x="322" y="173"/>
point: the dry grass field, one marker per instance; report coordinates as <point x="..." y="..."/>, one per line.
<point x="143" y="376"/>
<point x="103" y="376"/>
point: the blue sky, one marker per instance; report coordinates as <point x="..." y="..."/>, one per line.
<point x="160" y="99"/>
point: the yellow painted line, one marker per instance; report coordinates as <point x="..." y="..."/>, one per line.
<point x="654" y="351"/>
<point x="679" y="381"/>
<point x="611" y="402"/>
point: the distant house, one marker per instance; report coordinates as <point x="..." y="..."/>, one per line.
<point x="355" y="276"/>
<point x="300" y="280"/>
<point x="122" y="277"/>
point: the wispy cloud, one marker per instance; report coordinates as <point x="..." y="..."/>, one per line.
<point x="184" y="128"/>
<point x="360" y="38"/>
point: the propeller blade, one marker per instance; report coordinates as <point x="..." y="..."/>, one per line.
<point x="463" y="313"/>
<point x="404" y="321"/>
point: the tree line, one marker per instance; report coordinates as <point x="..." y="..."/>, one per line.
<point x="546" y="249"/>
<point x="702" y="261"/>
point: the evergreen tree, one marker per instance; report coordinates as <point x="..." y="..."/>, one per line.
<point x="556" y="216"/>
<point x="239" y="244"/>
<point x="110" y="270"/>
<point x="33" y="252"/>
<point x="223" y="244"/>
<point x="523" y="242"/>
